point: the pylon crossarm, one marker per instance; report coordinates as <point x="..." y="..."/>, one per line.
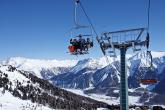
<point x="127" y="30"/>
<point x="123" y="38"/>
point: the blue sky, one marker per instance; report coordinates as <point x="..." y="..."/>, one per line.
<point x="40" y="28"/>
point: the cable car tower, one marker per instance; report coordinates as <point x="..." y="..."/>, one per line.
<point x="123" y="40"/>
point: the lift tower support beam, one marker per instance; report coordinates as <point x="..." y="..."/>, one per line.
<point x="123" y="80"/>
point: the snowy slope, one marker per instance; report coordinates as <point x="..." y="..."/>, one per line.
<point x="18" y="89"/>
<point x="14" y="76"/>
<point x="9" y="102"/>
<point x="104" y="98"/>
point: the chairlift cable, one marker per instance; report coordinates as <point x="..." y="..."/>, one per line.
<point x="89" y="20"/>
<point x="148" y="12"/>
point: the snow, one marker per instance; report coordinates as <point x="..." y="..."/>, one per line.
<point x="133" y="100"/>
<point x="8" y="102"/>
<point x="14" y="76"/>
<point x="93" y="63"/>
<point x="20" y="61"/>
<point x="103" y="98"/>
<point x="104" y="77"/>
<point x="98" y="97"/>
<point x="36" y="65"/>
<point x="157" y="54"/>
<point x="140" y="60"/>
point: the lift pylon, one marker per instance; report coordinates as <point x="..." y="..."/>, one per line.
<point x="123" y="40"/>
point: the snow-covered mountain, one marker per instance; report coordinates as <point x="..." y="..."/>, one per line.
<point x="97" y="76"/>
<point x="92" y="72"/>
<point x="102" y="76"/>
<point x="41" y="68"/>
<point x="21" y="90"/>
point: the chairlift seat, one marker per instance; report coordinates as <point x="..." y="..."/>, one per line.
<point x="148" y="81"/>
<point x="79" y="53"/>
<point x="85" y="35"/>
<point x="71" y="49"/>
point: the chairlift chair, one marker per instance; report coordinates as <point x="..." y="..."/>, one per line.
<point x="83" y="40"/>
<point x="147" y="81"/>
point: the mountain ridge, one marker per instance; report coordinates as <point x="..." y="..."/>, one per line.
<point x="96" y="75"/>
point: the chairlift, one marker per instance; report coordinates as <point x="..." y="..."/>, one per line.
<point x="80" y="42"/>
<point x="147" y="81"/>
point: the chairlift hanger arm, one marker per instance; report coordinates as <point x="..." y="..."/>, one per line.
<point x="88" y="18"/>
<point x="75" y="14"/>
<point x="101" y="45"/>
<point x="150" y="56"/>
<point x="84" y="35"/>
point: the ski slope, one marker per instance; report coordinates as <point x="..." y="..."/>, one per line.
<point x="9" y="102"/>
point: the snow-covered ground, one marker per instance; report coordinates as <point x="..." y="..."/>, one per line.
<point x="104" y="98"/>
<point x="9" y="102"/>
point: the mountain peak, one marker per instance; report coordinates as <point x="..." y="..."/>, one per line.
<point x="17" y="61"/>
<point x="38" y="65"/>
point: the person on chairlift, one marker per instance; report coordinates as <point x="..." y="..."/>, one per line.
<point x="81" y="42"/>
<point x="88" y="44"/>
<point x="74" y="43"/>
<point x="71" y="41"/>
